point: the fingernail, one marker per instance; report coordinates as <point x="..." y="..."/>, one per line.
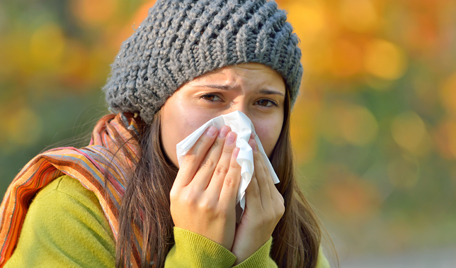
<point x="253" y="144"/>
<point x="236" y="152"/>
<point x="230" y="138"/>
<point x="211" y="131"/>
<point x="223" y="132"/>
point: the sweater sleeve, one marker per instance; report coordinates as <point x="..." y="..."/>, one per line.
<point x="196" y="251"/>
<point x="64" y="227"/>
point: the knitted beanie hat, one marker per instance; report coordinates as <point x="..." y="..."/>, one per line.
<point x="183" y="39"/>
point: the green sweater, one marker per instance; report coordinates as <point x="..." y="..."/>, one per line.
<point x="65" y="227"/>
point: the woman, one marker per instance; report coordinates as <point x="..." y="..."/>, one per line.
<point x="125" y="200"/>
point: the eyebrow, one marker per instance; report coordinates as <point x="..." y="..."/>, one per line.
<point x="230" y="87"/>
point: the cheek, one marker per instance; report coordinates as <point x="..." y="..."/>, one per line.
<point x="268" y="132"/>
<point x="177" y="123"/>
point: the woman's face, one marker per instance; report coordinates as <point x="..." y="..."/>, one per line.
<point x="252" y="88"/>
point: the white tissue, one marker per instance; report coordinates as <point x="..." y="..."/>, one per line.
<point x="243" y="127"/>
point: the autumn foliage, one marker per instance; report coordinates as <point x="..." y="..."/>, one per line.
<point x="374" y="129"/>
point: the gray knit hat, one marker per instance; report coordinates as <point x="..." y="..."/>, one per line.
<point x="181" y="40"/>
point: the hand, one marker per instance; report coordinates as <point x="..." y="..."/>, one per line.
<point x="263" y="210"/>
<point x="203" y="196"/>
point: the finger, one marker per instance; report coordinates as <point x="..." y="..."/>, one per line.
<point x="192" y="160"/>
<point x="205" y="171"/>
<point x="252" y="196"/>
<point x="276" y="199"/>
<point x="223" y="165"/>
<point x="275" y="194"/>
<point x="262" y="175"/>
<point x="231" y="181"/>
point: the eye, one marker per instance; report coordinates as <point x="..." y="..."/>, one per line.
<point x="211" y="97"/>
<point x="266" y="103"/>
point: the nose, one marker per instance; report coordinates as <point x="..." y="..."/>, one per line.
<point x="239" y="104"/>
<point x="242" y="105"/>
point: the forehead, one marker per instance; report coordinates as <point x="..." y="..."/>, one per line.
<point x="247" y="73"/>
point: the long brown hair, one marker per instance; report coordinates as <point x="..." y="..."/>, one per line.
<point x="146" y="206"/>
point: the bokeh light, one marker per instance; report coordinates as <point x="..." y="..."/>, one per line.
<point x="359" y="15"/>
<point x="385" y="60"/>
<point x="409" y="132"/>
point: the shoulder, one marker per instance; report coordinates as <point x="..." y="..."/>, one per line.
<point x="66" y="185"/>
<point x="65" y="225"/>
<point x="322" y="262"/>
<point x="66" y="204"/>
<point x="65" y="196"/>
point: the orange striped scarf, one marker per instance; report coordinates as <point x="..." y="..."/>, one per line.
<point x="88" y="165"/>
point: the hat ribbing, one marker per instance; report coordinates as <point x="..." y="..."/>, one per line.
<point x="181" y="40"/>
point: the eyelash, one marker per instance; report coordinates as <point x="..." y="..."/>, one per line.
<point x="273" y="103"/>
<point x="209" y="97"/>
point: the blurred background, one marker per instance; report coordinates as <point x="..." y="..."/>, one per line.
<point x="374" y="129"/>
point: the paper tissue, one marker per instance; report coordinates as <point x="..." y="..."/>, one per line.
<point x="243" y="127"/>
